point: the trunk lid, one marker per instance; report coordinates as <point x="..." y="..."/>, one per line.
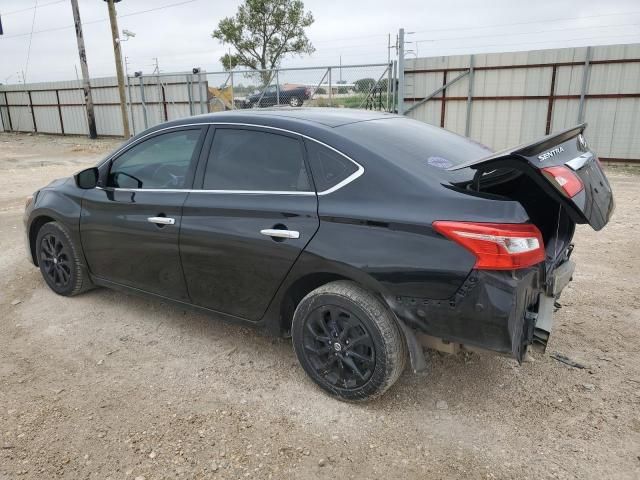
<point x="593" y="204"/>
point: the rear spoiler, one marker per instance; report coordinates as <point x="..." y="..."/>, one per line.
<point x="527" y="149"/>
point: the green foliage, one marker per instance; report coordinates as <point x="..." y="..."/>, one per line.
<point x="364" y="85"/>
<point x="263" y="32"/>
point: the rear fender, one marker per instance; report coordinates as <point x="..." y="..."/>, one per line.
<point x="309" y="264"/>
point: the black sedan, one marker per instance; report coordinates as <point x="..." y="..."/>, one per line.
<point x="292" y="95"/>
<point x="359" y="234"/>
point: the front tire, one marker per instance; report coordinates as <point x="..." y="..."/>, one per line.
<point x="295" y="101"/>
<point x="348" y="342"/>
<point x="59" y="261"/>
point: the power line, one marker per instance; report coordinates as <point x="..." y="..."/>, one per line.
<point x="352" y="38"/>
<point x="534" y="32"/>
<point x="346" y="48"/>
<point x="33" y="22"/>
<point x="32" y="8"/>
<point x="140" y="12"/>
<point x="468" y="47"/>
<point x="528" y="23"/>
<point x="484" y="26"/>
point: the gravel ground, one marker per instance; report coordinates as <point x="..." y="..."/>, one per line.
<point x="107" y="385"/>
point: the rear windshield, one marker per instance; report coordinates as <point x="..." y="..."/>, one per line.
<point x="410" y="143"/>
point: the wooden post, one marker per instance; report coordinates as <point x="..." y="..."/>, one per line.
<point x="552" y="92"/>
<point x="86" y="85"/>
<point x="60" y="112"/>
<point x="164" y="104"/>
<point x="120" y="74"/>
<point x="6" y="102"/>
<point x="33" y="115"/>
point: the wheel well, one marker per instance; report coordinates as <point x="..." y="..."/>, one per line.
<point x="298" y="290"/>
<point x="36" y="225"/>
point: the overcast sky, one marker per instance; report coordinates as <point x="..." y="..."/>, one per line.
<point x="356" y="30"/>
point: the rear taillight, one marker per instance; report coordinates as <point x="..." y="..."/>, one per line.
<point x="564" y="180"/>
<point x="497" y="246"/>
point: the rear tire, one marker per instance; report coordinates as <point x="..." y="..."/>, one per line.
<point x="348" y="342"/>
<point x="59" y="261"/>
<point x="295" y="101"/>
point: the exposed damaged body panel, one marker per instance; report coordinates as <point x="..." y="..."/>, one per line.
<point x="491" y="310"/>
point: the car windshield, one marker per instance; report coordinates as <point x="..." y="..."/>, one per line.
<point x="410" y="144"/>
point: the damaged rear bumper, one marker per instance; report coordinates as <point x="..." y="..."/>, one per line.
<point x="502" y="311"/>
<point x="544" y="316"/>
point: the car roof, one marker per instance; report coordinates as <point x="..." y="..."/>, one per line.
<point x="328" y="117"/>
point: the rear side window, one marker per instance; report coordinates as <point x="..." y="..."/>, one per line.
<point x="254" y="160"/>
<point x="328" y="167"/>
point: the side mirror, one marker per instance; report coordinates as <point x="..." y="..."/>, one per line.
<point x="87" y="179"/>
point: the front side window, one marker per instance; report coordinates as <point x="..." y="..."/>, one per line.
<point x="255" y="161"/>
<point x="160" y="162"/>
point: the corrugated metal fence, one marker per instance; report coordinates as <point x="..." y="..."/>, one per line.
<point x="152" y="99"/>
<point x="504" y="99"/>
<point x="58" y="107"/>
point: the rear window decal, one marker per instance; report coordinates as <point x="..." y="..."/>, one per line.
<point x="439" y="162"/>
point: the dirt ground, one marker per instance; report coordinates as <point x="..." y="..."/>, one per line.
<point x="106" y="385"/>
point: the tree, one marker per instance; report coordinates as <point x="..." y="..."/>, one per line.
<point x="364" y="85"/>
<point x="263" y="32"/>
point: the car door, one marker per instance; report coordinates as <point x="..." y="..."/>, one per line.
<point x="130" y="224"/>
<point x="243" y="231"/>
<point x="269" y="97"/>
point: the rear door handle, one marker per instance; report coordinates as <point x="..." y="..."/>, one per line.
<point x="162" y="220"/>
<point x="274" y="232"/>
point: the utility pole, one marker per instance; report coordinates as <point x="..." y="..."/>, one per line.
<point x="119" y="72"/>
<point x="86" y="85"/>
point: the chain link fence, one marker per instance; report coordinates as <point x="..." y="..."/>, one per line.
<point x="345" y="86"/>
<point x="58" y="107"/>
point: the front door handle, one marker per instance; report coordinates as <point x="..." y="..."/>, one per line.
<point x="162" y="220"/>
<point x="274" y="232"/>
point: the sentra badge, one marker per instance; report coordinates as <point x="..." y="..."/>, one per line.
<point x="550" y="153"/>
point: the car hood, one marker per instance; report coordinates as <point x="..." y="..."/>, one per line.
<point x="58" y="182"/>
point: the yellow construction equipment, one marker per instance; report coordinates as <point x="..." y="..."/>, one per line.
<point x="220" y="98"/>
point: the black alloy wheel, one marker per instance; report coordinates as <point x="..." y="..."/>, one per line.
<point x="59" y="263"/>
<point x="348" y="341"/>
<point x="56" y="263"/>
<point x="339" y="347"/>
